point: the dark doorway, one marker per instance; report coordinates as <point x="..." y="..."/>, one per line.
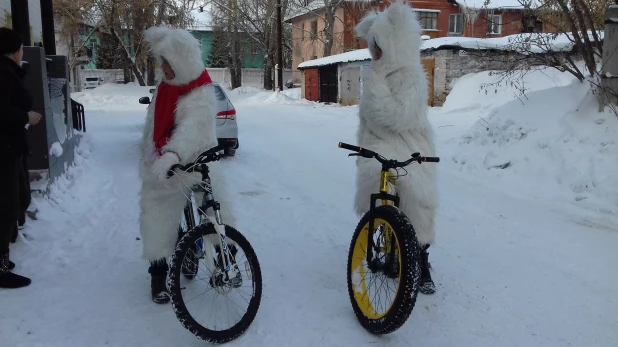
<point x="328" y="84"/>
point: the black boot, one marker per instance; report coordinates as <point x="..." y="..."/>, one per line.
<point x="427" y="285"/>
<point x="158" y="278"/>
<point x="14" y="234"/>
<point x="8" y="279"/>
<point x="11" y="264"/>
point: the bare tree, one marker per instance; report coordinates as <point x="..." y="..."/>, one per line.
<point x="325" y="11"/>
<point x="124" y="21"/>
<point x="572" y="44"/>
<point x="573" y="38"/>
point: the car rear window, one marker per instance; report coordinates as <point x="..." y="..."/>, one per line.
<point x="220" y="94"/>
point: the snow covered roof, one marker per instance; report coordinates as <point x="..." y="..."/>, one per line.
<point x="296" y="10"/>
<point x="202" y="20"/>
<point x="522" y="43"/>
<point x="347" y="57"/>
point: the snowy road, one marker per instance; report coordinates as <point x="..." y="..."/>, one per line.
<point x="509" y="271"/>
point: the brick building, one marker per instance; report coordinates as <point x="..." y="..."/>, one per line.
<point x="439" y="18"/>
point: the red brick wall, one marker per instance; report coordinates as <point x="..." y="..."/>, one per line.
<point x="354" y="12"/>
<point x="511" y="24"/>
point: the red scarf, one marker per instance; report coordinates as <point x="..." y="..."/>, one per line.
<point x="165" y="106"/>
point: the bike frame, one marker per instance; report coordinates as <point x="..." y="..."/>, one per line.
<point x="198" y="216"/>
<point x="383" y="195"/>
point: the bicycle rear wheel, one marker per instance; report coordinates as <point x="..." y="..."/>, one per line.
<point x="224" y="310"/>
<point x="383" y="293"/>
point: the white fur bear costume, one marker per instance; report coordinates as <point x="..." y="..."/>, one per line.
<point x="393" y="115"/>
<point x="162" y="200"/>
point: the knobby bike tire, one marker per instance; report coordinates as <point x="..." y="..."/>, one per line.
<point x="409" y="275"/>
<point x="182" y="313"/>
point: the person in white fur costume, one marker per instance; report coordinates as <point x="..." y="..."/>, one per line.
<point x="180" y="124"/>
<point x="393" y="120"/>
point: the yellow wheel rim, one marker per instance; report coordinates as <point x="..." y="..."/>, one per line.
<point x="364" y="282"/>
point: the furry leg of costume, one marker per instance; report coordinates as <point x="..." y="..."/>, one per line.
<point x="393" y="120"/>
<point x="180" y="124"/>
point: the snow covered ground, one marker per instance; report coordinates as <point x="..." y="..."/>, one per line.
<point x="520" y="260"/>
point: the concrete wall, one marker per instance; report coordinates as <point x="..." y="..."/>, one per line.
<point x="452" y="64"/>
<point x="60" y="133"/>
<point x="250" y="77"/>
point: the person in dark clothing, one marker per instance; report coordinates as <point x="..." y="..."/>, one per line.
<point x="15" y="113"/>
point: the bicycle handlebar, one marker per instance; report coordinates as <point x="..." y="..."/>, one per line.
<point x="204" y="158"/>
<point x="366" y="153"/>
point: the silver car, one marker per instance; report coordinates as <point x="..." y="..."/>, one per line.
<point x="227" y="127"/>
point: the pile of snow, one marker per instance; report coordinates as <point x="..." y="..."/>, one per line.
<point x="201" y="20"/>
<point x="526" y="43"/>
<point x="111" y="96"/>
<point x="487" y="89"/>
<point x="496" y="4"/>
<point x="56" y="149"/>
<point x="522" y="43"/>
<point x="287" y="97"/>
<point x="243" y="90"/>
<point x="555" y="143"/>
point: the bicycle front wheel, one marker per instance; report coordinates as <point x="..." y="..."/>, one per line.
<point x="383" y="292"/>
<point x="215" y="310"/>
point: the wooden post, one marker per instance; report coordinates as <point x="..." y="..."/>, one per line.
<point x="279" y="47"/>
<point x="609" y="72"/>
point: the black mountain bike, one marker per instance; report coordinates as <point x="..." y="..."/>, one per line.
<point x="216" y="261"/>
<point x="384" y="258"/>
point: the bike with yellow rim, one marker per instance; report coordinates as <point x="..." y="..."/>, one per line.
<point x="384" y="259"/>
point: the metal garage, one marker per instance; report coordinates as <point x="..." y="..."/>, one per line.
<point x="338" y="78"/>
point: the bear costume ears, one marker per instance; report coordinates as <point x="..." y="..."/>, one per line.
<point x="180" y="48"/>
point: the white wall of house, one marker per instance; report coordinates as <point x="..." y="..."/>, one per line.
<point x="34" y="9"/>
<point x="5" y="10"/>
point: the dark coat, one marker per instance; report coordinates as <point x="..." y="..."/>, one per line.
<point x="15" y="102"/>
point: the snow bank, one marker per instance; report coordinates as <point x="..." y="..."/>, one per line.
<point x="111" y="96"/>
<point x="487" y="89"/>
<point x="556" y="143"/>
<point x="523" y="43"/>
<point x="287" y="97"/>
<point x="243" y="90"/>
<point x="56" y="149"/>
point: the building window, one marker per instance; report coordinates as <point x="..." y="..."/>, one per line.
<point x="254" y="49"/>
<point x="531" y="24"/>
<point x="429" y="20"/>
<point x="455" y="24"/>
<point x="494" y="24"/>
<point x="314" y="29"/>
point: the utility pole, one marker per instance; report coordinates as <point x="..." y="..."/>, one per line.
<point x="279" y="47"/>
